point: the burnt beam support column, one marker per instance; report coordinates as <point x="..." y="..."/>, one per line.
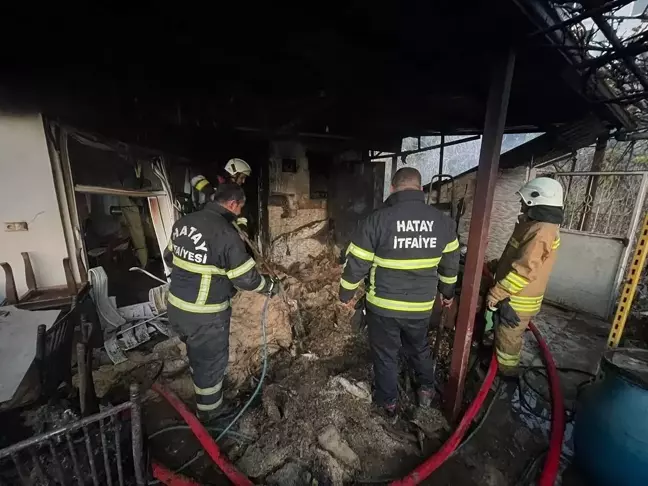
<point x="497" y="105"/>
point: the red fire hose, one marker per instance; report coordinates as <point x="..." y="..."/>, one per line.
<point x="552" y="462"/>
<point x="234" y="475"/>
<point x="422" y="472"/>
<point x="165" y="476"/>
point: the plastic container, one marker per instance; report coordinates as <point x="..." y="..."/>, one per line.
<point x="611" y="428"/>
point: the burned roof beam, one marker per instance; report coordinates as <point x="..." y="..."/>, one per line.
<point x="544" y="16"/>
<point x="606" y="7"/>
<point x="611" y="36"/>
<point x="627" y="99"/>
<point x="635" y="48"/>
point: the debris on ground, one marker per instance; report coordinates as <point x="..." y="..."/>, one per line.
<point x="272" y="400"/>
<point x="314" y="419"/>
<point x="245" y="348"/>
<point x="330" y="468"/>
<point x="316" y="405"/>
<point x="290" y="474"/>
<point x="431" y="421"/>
<point x="258" y="461"/>
<point x="331" y="441"/>
<point x="493" y="476"/>
<point x="360" y="390"/>
<point x="141" y="367"/>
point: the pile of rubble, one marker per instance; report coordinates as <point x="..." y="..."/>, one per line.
<point x="314" y="287"/>
<point x="316" y="419"/>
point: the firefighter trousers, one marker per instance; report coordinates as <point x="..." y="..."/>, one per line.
<point x="386" y="336"/>
<point x="207" y="340"/>
<point x="508" y="344"/>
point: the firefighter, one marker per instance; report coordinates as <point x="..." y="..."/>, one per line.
<point x="208" y="261"/>
<point x="523" y="271"/>
<point x="236" y="172"/>
<point x="409" y="250"/>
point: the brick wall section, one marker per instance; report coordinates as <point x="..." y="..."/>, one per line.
<point x="506" y="206"/>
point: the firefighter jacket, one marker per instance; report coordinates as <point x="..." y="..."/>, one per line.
<point x="208" y="261"/>
<point x="524" y="268"/>
<point x="201" y="184"/>
<point x="407" y="249"/>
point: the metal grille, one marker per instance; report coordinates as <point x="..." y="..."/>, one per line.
<point x="97" y="450"/>
<point x="601" y="203"/>
<point x="54" y="352"/>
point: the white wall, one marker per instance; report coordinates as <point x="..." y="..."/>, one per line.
<point x="27" y="194"/>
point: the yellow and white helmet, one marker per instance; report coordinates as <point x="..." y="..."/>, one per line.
<point x="542" y="191"/>
<point x="238" y="166"/>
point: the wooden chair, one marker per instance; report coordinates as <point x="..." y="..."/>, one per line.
<point x="43" y="298"/>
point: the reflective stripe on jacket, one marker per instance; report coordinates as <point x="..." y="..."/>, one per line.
<point x="407" y="249"/>
<point x="525" y="266"/>
<point x="209" y="261"/>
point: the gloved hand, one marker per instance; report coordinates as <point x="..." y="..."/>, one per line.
<point x="242" y="224"/>
<point x="490" y="321"/>
<point x="275" y="285"/>
<point x="492" y="266"/>
<point x="505" y="315"/>
<point x="445" y="302"/>
<point x="358" y="322"/>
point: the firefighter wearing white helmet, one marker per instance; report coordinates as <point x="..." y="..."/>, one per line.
<point x="522" y="272"/>
<point x="239" y="170"/>
<point x="543" y="191"/>
<point x="236" y="171"/>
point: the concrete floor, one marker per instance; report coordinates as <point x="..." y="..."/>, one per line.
<point x="515" y="432"/>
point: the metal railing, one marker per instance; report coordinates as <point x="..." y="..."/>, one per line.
<point x="604" y="203"/>
<point x="607" y="204"/>
<point x="88" y="451"/>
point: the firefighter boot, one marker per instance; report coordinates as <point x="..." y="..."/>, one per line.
<point x="220" y="414"/>
<point x="387" y="411"/>
<point x="509" y="373"/>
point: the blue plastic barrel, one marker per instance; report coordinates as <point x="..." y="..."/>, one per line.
<point x="611" y="427"/>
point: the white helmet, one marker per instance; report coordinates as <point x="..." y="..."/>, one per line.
<point x="238" y="166"/>
<point x="543" y="191"/>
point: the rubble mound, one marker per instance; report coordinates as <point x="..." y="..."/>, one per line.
<point x="316" y="415"/>
<point x="314" y="422"/>
<point x="245" y="342"/>
<point x="313" y="415"/>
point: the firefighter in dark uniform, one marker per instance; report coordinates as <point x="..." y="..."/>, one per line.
<point x="208" y="261"/>
<point x="409" y="250"/>
<point x="236" y="171"/>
